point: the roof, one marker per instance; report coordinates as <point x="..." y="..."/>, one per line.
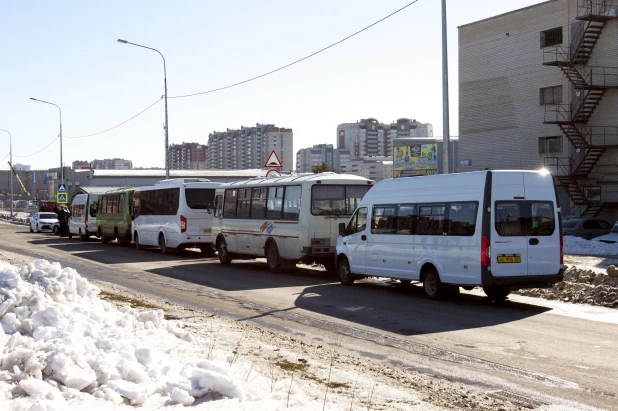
<point x="323" y="177"/>
<point x="95" y="190"/>
<point x="176" y="173"/>
<point x="507" y="13"/>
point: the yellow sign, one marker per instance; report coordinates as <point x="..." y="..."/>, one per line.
<point x="62" y="198"/>
<point x="415" y="159"/>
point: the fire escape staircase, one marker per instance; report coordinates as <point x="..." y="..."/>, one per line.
<point x="590" y="84"/>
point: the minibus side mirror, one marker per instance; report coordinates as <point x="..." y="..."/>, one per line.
<point x="342" y="230"/>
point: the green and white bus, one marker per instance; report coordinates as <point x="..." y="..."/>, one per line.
<point x="115" y="215"/>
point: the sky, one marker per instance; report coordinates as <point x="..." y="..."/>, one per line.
<point x="66" y="53"/>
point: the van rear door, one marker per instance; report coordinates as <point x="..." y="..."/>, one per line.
<point x="200" y="203"/>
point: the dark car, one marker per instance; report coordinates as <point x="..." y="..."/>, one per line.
<point x="585" y="227"/>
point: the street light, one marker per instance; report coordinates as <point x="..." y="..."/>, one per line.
<point x="61" y="165"/>
<point x="10" y="171"/>
<point x="167" y="164"/>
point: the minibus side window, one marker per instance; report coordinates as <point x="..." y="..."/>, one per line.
<point x="462" y="218"/>
<point x="406" y="219"/>
<point x="431" y="219"/>
<point x="384" y="220"/>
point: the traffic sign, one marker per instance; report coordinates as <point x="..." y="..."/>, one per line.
<point x="62" y="198"/>
<point x="273" y="161"/>
<point x="62" y="188"/>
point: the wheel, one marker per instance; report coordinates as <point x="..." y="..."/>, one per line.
<point x="55" y="230"/>
<point x="138" y="246"/>
<point x="207" y="250"/>
<point x="330" y="265"/>
<point x="497" y="293"/>
<point x="82" y="236"/>
<point x="345" y="274"/>
<point x="38" y="228"/>
<point x="273" y="260"/>
<point x="224" y="256"/>
<point x="432" y="286"/>
<point x="162" y="245"/>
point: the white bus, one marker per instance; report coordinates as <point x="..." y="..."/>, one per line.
<point x="500" y="230"/>
<point x="287" y="220"/>
<point x="174" y="214"/>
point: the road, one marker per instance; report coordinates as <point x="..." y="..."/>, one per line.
<point x="524" y="349"/>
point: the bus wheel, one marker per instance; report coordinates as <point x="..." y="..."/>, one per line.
<point x="224" y="255"/>
<point x="432" y="286"/>
<point x="162" y="245"/>
<point x="138" y="246"/>
<point x="273" y="260"/>
<point x="345" y="274"/>
<point x="207" y="250"/>
<point x="497" y="293"/>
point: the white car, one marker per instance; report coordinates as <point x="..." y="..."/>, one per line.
<point x="44" y="221"/>
<point x="611" y="238"/>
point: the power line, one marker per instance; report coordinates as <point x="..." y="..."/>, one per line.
<point x="116" y="126"/>
<point x="34" y="154"/>
<point x="299" y="60"/>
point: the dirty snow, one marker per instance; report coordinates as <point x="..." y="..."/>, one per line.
<point x="581" y="246"/>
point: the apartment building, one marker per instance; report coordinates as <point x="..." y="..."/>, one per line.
<point x="538" y="87"/>
<point x="370" y="138"/>
<point x="106" y="164"/>
<point x="249" y="147"/>
<point x="308" y="158"/>
<point x="188" y="156"/>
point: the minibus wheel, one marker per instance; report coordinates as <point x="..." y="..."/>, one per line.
<point x="345" y="274"/>
<point x="432" y="286"/>
<point x="162" y="245"/>
<point x="138" y="246"/>
<point x="273" y="259"/>
<point x="224" y="255"/>
<point x="82" y="236"/>
<point x="497" y="293"/>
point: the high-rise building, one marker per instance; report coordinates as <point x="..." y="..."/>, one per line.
<point x="106" y="164"/>
<point x="188" y="156"/>
<point x="538" y="87"/>
<point x="250" y="147"/>
<point x="309" y="158"/>
<point x="79" y="165"/>
<point x="370" y="138"/>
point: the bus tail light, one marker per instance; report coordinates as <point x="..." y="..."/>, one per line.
<point x="485" y="252"/>
<point x="561" y="250"/>
<point x="183" y="224"/>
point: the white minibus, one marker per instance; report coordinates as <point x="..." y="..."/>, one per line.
<point x="83" y="222"/>
<point x="285" y="219"/>
<point x="500" y="230"/>
<point x="174" y="214"/>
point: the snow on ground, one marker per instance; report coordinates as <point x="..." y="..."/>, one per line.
<point x="580" y="246"/>
<point x="62" y="345"/>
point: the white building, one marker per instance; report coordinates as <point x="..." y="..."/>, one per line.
<point x="538" y="87"/>
<point x="373" y="168"/>
<point x="250" y="147"/>
<point x="21" y="167"/>
<point x="369" y="137"/>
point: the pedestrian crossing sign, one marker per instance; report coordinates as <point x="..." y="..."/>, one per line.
<point x="62" y="198"/>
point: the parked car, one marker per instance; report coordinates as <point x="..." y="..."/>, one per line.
<point x="585" y="227"/>
<point x="44" y="221"/>
<point x="611" y="238"/>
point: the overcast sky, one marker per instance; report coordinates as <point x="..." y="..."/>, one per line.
<point x="66" y="52"/>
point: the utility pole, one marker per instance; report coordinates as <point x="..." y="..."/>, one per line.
<point x="445" y="118"/>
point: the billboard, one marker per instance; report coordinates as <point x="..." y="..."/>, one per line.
<point x="415" y="160"/>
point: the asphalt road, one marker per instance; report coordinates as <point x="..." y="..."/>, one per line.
<point x="523" y="349"/>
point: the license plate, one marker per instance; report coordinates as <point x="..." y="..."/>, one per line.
<point x="509" y="259"/>
<point x="207" y="230"/>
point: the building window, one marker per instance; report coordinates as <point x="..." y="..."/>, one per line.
<point x="550" y="145"/>
<point x="551" y="37"/>
<point x="550" y="95"/>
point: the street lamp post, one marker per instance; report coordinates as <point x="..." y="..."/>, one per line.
<point x="167" y="160"/>
<point x="61" y="164"/>
<point x="10" y="171"/>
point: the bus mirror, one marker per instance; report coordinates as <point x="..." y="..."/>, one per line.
<point x="342" y="231"/>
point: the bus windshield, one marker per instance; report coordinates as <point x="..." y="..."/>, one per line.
<point x="336" y="200"/>
<point x="200" y="198"/>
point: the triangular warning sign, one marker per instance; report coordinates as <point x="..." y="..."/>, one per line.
<point x="273" y="161"/>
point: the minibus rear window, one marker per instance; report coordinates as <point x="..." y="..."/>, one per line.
<point x="524" y="218"/>
<point x="200" y="198"/>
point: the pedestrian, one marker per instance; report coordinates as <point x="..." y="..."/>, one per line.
<point x="62" y="215"/>
<point x="67" y="220"/>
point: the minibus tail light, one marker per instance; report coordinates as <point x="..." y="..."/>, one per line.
<point x="485" y="252"/>
<point x="183" y="224"/>
<point x="561" y="250"/>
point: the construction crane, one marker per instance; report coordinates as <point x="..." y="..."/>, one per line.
<point x="24" y="192"/>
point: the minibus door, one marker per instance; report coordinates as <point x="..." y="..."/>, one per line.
<point x="356" y="241"/>
<point x="509" y="240"/>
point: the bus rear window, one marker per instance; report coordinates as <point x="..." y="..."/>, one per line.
<point x="336" y="200"/>
<point x="524" y="218"/>
<point x="200" y="198"/>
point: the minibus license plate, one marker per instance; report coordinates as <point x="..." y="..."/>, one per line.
<point x="509" y="259"/>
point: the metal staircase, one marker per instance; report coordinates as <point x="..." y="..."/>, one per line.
<point x="589" y="85"/>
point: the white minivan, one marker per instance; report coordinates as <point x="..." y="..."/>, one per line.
<point x="174" y="213"/>
<point x="500" y="230"/>
<point x="83" y="221"/>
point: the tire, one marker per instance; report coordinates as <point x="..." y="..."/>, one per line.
<point x="497" y="293"/>
<point x="432" y="286"/>
<point x="207" y="250"/>
<point x="345" y="274"/>
<point x="138" y="246"/>
<point x="162" y="245"/>
<point x="82" y="237"/>
<point x="55" y="230"/>
<point x="224" y="256"/>
<point x="273" y="259"/>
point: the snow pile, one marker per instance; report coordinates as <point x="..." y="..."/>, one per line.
<point x="582" y="286"/>
<point x="20" y="218"/>
<point x="59" y="341"/>
<point x="580" y="246"/>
